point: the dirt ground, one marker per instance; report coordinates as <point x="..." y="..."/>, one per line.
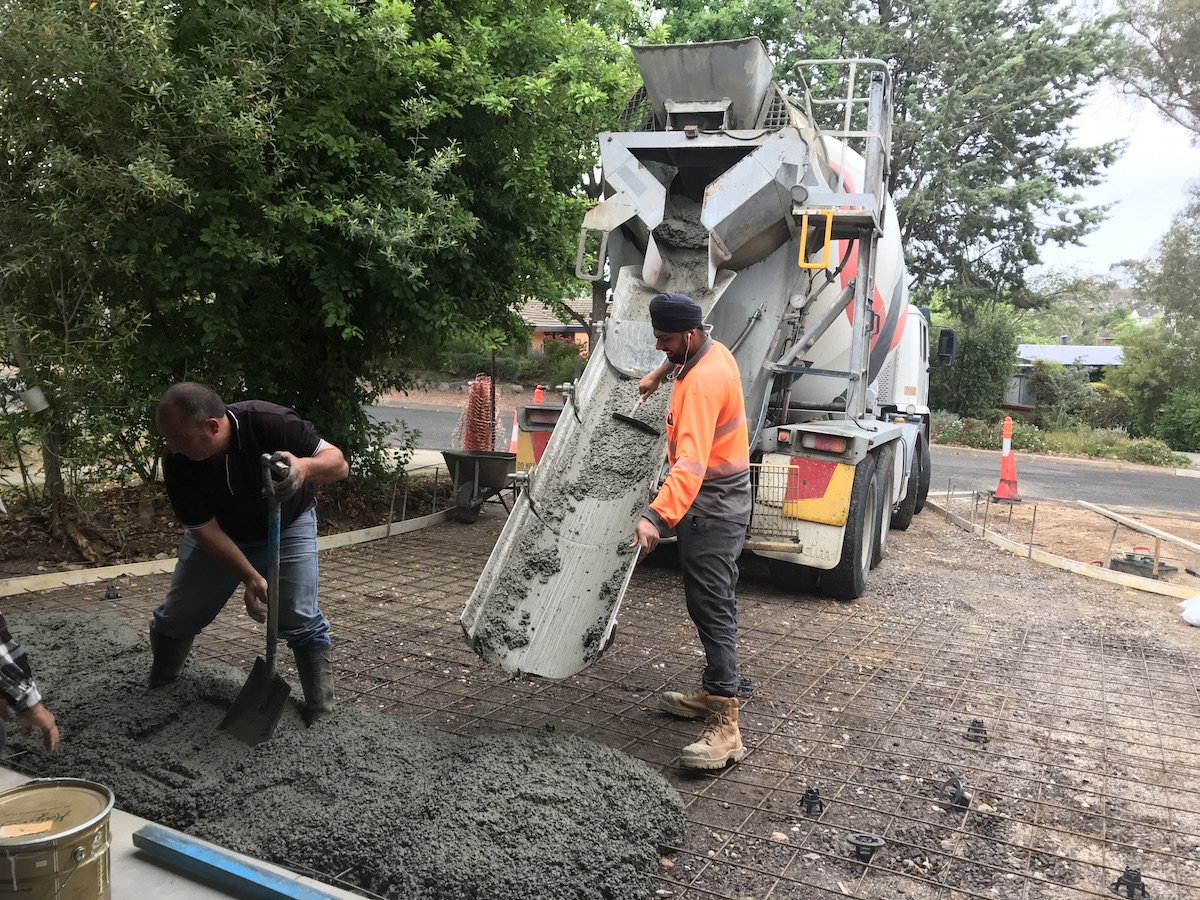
<point x="1077" y="533"/>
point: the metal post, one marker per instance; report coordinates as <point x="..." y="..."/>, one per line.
<point x="1032" y="525"/>
<point x="1108" y="552"/>
<point x="1157" y="548"/>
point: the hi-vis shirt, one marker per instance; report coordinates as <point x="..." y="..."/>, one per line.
<point x="707" y="446"/>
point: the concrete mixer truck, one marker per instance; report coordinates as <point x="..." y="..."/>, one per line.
<point x="722" y="188"/>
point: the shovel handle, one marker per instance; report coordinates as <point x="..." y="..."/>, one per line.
<point x="274" y="519"/>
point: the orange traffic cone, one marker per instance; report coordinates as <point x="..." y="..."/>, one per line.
<point x="1007" y="490"/>
<point x="512" y="443"/>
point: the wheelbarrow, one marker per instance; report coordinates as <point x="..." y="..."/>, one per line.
<point x="477" y="475"/>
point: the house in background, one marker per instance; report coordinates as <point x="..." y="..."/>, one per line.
<point x="1093" y="357"/>
<point x="547" y="325"/>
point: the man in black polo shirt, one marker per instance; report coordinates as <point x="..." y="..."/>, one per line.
<point x="214" y="480"/>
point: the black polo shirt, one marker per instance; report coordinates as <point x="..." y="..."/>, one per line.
<point x="229" y="489"/>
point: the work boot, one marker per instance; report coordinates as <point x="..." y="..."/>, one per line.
<point x="721" y="742"/>
<point x="686" y="706"/>
<point x="315" y="665"/>
<point x="169" y="656"/>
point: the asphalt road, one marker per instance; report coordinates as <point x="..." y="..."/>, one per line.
<point x="1038" y="477"/>
<point x="435" y="424"/>
<point x="1104" y="482"/>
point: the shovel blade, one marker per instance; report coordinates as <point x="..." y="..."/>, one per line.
<point x="637" y="423"/>
<point x="259" y="705"/>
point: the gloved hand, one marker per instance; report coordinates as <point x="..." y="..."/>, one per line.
<point x="288" y="486"/>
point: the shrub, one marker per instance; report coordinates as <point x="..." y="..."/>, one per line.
<point x="1061" y="392"/>
<point x="1178" y="423"/>
<point x="1108" y="443"/>
<point x="1109" y="408"/>
<point x="1154" y="452"/>
<point x="980" y="377"/>
<point x="944" y="426"/>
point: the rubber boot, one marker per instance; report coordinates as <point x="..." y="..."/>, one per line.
<point x="169" y="656"/>
<point x="315" y="665"/>
<point x="686" y="706"/>
<point x="721" y="742"/>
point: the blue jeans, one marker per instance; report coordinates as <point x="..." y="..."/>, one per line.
<point x="201" y="587"/>
<point x="708" y="553"/>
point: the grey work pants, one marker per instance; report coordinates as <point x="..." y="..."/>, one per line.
<point x="708" y="554"/>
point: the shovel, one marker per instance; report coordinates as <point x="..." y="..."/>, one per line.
<point x="259" y="705"/>
<point x="639" y="424"/>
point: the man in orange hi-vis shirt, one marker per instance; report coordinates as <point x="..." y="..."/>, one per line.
<point x="707" y="500"/>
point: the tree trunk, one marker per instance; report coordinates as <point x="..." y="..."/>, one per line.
<point x="56" y="490"/>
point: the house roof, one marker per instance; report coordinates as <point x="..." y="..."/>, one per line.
<point x="1073" y="354"/>
<point x="538" y="315"/>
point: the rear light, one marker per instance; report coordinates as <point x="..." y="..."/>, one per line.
<point x="823" y="442"/>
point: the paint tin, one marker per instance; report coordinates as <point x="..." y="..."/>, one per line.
<point x="54" y="840"/>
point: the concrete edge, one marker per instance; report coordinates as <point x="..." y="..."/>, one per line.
<point x="1123" y="579"/>
<point x="29" y="584"/>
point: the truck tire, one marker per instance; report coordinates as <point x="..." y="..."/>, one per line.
<point x="926" y="471"/>
<point x="884" y="473"/>
<point x="904" y="513"/>
<point x="792" y="578"/>
<point x="848" y="579"/>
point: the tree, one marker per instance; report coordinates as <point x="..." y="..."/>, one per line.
<point x="1161" y="58"/>
<point x="1165" y="356"/>
<point x="983" y="168"/>
<point x="987" y="358"/>
<point x="282" y="199"/>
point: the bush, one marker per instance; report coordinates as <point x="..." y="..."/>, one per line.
<point x="1109" y="408"/>
<point x="980" y="377"/>
<point x="1061" y="392"/>
<point x="942" y="421"/>
<point x="988" y="436"/>
<point x="1178" y="423"/>
<point x="1154" y="452"/>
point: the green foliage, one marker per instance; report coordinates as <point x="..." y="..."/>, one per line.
<point x="1178" y="423"/>
<point x="987" y="359"/>
<point x="1061" y="391"/>
<point x="981" y="435"/>
<point x="283" y="200"/>
<point x="1109" y="409"/>
<point x="1154" y="452"/>
<point x="1161" y="61"/>
<point x="1152" y="360"/>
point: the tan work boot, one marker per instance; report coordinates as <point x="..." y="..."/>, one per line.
<point x="721" y="741"/>
<point x="686" y="706"/>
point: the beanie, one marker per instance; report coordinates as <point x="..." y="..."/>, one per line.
<point x="674" y="313"/>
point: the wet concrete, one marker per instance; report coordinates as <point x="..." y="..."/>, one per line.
<point x="399" y="810"/>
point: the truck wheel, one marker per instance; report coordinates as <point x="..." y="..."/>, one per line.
<point x="792" y="577"/>
<point x="848" y="579"/>
<point x="926" y="471"/>
<point x="903" y="515"/>
<point x="884" y="472"/>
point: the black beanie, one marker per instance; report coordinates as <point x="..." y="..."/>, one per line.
<point x="675" y="313"/>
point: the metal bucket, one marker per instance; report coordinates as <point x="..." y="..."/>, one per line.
<point x="54" y="840"/>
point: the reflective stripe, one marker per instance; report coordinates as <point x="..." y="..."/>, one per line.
<point x="729" y="427"/>
<point x="690" y="466"/>
<point x="732" y="467"/>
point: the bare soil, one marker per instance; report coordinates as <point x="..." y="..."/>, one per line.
<point x="1074" y="532"/>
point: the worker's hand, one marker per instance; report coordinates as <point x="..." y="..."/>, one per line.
<point x="648" y="384"/>
<point x="288" y="486"/>
<point x="39" y="717"/>
<point x="255" y="598"/>
<point x="645" y="538"/>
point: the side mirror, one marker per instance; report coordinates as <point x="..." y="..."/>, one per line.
<point x="947" y="347"/>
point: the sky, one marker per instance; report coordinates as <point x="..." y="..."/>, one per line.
<point x="1146" y="184"/>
